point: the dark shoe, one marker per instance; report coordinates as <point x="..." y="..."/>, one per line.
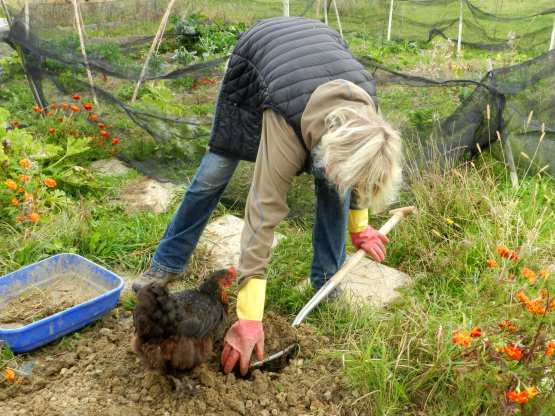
<point x="153" y="275"/>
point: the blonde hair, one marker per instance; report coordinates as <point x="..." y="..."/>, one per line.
<point x="361" y="150"/>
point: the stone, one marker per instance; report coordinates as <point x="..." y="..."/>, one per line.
<point x="146" y="194"/>
<point x="222" y="241"/>
<point x="373" y="283"/>
<point x="109" y="167"/>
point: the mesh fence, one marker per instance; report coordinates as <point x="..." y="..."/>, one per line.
<point x="166" y="128"/>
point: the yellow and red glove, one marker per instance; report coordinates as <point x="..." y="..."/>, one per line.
<point x="364" y="236"/>
<point x="247" y="334"/>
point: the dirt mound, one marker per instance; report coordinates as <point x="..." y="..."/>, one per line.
<point x="97" y="373"/>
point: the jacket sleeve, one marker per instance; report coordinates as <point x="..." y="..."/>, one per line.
<point x="280" y="156"/>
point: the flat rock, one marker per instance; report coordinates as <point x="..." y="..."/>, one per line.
<point x="110" y="167"/>
<point x="222" y="241"/>
<point x="146" y="194"/>
<point x="373" y="283"/>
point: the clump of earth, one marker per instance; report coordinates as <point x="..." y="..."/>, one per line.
<point x="96" y="372"/>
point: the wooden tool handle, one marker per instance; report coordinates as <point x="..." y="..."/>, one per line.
<point x="396" y="216"/>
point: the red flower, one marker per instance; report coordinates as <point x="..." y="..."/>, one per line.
<point x="104" y="134"/>
<point x="503" y="251"/>
<point x="520" y="397"/>
<point x="475" y="332"/>
<point x="115" y="141"/>
<point x="88" y="106"/>
<point x="514" y="256"/>
<point x="507" y="325"/>
<point x="76" y="97"/>
<point x="514" y="352"/>
<point x="101" y="125"/>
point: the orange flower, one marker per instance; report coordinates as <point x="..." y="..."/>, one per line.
<point x="38" y="109"/>
<point x="544" y="274"/>
<point x="34" y="217"/>
<point x="491" y="263"/>
<point x="93" y="117"/>
<point x="532" y="392"/>
<point x="49" y="182"/>
<point x="520" y="397"/>
<point x="88" y="106"/>
<point x="507" y="325"/>
<point x="461" y="338"/>
<point x="503" y="251"/>
<point x="74" y="108"/>
<point x="514" y="352"/>
<point x="528" y="274"/>
<point x="14" y="201"/>
<point x="521" y="296"/>
<point x="20" y="190"/>
<point x="115" y="141"/>
<point x="24" y="178"/>
<point x="65" y="106"/>
<point x="51" y="130"/>
<point x="53" y="106"/>
<point x="536" y="307"/>
<point x="25" y="163"/>
<point x="544" y="293"/>
<point x="552" y="304"/>
<point x="514" y="256"/>
<point x="9" y="374"/>
<point x="475" y="332"/>
<point x="10" y="184"/>
<point x="550" y="349"/>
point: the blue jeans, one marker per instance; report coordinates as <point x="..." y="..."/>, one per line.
<point x="204" y="193"/>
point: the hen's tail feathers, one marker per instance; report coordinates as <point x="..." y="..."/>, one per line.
<point x="155" y="314"/>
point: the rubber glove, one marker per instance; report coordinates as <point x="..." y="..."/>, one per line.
<point x="365" y="237"/>
<point x="241" y="339"/>
<point x="247" y="334"/>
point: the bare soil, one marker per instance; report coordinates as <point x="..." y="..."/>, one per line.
<point x="96" y="373"/>
<point x="37" y="302"/>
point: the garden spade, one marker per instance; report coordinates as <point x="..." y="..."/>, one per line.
<point x="278" y="360"/>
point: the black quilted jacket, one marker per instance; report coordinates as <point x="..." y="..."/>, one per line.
<point x="277" y="64"/>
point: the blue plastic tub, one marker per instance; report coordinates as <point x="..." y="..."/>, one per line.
<point x="41" y="332"/>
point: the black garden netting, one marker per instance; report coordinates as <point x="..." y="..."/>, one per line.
<point x="166" y="127"/>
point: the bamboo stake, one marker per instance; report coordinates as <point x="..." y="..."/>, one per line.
<point x="83" y="50"/>
<point x="157" y="39"/>
<point x="326" y="11"/>
<point x="286" y="8"/>
<point x="390" y="22"/>
<point x="32" y="85"/>
<point x="338" y="20"/>
<point x="459" y="41"/>
<point x="552" y="44"/>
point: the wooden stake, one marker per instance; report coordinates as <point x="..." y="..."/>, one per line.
<point x="155" y="42"/>
<point x="510" y="159"/>
<point x="390" y="22"/>
<point x="326" y="11"/>
<point x="27" y="20"/>
<point x="338" y="20"/>
<point x="552" y="44"/>
<point x="83" y="50"/>
<point x="459" y="41"/>
<point x="32" y="85"/>
<point x="286" y="8"/>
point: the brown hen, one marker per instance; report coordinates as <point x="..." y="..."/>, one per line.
<point x="177" y="331"/>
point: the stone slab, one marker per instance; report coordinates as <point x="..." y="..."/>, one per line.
<point x="146" y="194"/>
<point x="110" y="167"/>
<point x="222" y="241"/>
